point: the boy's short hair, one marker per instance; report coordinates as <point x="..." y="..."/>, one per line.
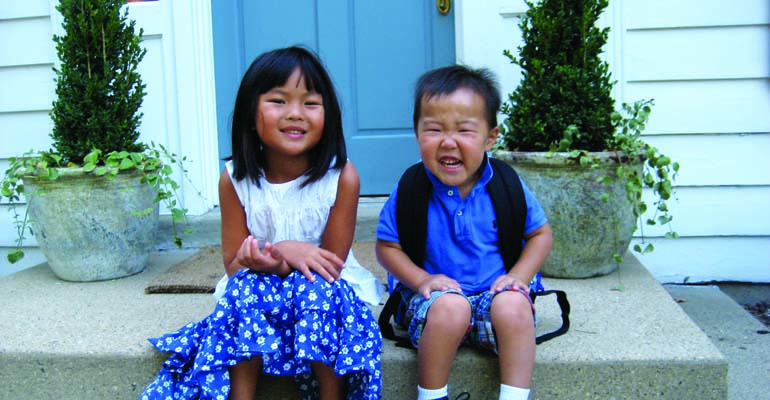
<point x="446" y="80"/>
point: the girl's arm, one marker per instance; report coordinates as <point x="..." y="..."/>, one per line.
<point x="328" y="260"/>
<point x="537" y="246"/>
<point x="239" y="249"/>
<point x="341" y="226"/>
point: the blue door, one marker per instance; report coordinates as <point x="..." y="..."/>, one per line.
<point x="374" y="50"/>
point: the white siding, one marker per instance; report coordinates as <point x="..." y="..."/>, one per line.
<point x="706" y="63"/>
<point x="714" y="106"/>
<point x="178" y="72"/>
<point x="26" y="58"/>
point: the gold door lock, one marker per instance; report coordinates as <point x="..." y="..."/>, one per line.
<point x="443" y="6"/>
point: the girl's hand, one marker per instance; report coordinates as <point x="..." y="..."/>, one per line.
<point x="263" y="259"/>
<point x="509" y="280"/>
<point x="435" y="283"/>
<point x="305" y="257"/>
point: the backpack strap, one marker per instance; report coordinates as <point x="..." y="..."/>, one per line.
<point x="389" y="310"/>
<point x="412" y="198"/>
<point x="561" y="298"/>
<point x="510" y="210"/>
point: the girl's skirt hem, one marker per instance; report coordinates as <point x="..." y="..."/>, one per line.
<point x="290" y="323"/>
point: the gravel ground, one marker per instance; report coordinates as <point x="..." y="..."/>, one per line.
<point x="760" y="311"/>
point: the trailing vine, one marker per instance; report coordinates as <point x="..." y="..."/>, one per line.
<point x="657" y="173"/>
<point x="563" y="104"/>
<point x="155" y="165"/>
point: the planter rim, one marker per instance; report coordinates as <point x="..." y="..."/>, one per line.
<point x="65" y="172"/>
<point x="557" y="158"/>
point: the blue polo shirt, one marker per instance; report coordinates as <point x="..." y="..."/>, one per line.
<point x="462" y="233"/>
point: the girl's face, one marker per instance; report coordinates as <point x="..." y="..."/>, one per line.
<point x="289" y="118"/>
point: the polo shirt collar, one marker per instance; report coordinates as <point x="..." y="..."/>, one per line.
<point x="486" y="176"/>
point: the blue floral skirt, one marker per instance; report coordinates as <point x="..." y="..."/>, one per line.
<point x="290" y="323"/>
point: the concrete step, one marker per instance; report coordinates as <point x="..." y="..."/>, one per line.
<point x="88" y="340"/>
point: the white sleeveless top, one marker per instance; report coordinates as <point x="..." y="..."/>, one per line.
<point x="287" y="211"/>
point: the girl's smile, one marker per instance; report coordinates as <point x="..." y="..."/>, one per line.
<point x="289" y="121"/>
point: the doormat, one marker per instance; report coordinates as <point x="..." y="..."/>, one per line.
<point x="198" y="273"/>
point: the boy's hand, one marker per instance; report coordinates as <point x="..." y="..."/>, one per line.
<point x="437" y="282"/>
<point x="511" y="281"/>
<point x="305" y="257"/>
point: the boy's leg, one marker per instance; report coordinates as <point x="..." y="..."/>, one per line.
<point x="513" y="321"/>
<point x="446" y="324"/>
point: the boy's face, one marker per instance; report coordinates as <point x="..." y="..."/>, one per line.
<point x="453" y="135"/>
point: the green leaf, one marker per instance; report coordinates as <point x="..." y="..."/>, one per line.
<point x="99" y="171"/>
<point x="671" y="235"/>
<point x="178" y="215"/>
<point x="126" y="163"/>
<point x="617" y="258"/>
<point x="15" y="255"/>
<point x="92" y="157"/>
<point x="52" y="174"/>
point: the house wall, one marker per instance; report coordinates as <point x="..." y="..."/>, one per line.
<point x="178" y="109"/>
<point x="706" y="63"/>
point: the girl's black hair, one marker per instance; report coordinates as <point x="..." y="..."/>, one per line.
<point x="271" y="70"/>
<point x="446" y="80"/>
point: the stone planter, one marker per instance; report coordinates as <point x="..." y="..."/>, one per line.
<point x="89" y="228"/>
<point x="586" y="231"/>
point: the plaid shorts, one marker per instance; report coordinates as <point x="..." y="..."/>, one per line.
<point x="414" y="310"/>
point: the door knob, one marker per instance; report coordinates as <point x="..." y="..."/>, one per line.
<point x="443" y="6"/>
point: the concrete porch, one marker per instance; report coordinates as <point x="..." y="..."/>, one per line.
<point x="88" y="340"/>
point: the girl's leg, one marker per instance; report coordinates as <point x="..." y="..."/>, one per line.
<point x="514" y="325"/>
<point x="332" y="387"/>
<point x="243" y="378"/>
<point x="445" y="326"/>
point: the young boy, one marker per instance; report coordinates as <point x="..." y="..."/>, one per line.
<point x="462" y="293"/>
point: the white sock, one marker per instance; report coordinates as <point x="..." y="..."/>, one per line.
<point x="430" y="394"/>
<point x="513" y="393"/>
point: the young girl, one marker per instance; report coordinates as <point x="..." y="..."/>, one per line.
<point x="288" y="199"/>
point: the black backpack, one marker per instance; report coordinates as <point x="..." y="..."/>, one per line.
<point x="413" y="195"/>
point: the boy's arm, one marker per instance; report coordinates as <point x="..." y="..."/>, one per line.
<point x="394" y="260"/>
<point x="538" y="244"/>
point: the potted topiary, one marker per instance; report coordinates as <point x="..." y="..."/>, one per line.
<point x="585" y="161"/>
<point x="92" y="201"/>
